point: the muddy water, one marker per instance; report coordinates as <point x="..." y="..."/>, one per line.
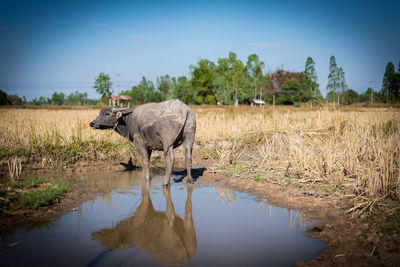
<point x="130" y="222"/>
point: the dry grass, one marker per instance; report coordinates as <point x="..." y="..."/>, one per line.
<point x="351" y="151"/>
<point x="54" y="136"/>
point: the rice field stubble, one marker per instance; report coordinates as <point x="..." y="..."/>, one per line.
<point x="352" y="152"/>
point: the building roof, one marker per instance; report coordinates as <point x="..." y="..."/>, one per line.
<point x="259" y="101"/>
<point x="120" y="97"/>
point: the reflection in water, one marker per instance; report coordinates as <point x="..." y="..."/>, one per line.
<point x="226" y="195"/>
<point x="229" y="196"/>
<point x="164" y="235"/>
<point x="129" y="222"/>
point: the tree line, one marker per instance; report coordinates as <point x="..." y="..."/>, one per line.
<point x="230" y="81"/>
<point x="74" y="99"/>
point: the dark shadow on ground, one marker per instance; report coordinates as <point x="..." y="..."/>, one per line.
<point x="179" y="175"/>
<point x="128" y="166"/>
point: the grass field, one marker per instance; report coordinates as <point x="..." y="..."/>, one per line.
<point x="351" y="151"/>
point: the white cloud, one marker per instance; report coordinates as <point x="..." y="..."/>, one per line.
<point x="145" y="37"/>
<point x="262" y="44"/>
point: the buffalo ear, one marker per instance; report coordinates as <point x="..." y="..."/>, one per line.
<point x="127" y="111"/>
<point x="119" y="114"/>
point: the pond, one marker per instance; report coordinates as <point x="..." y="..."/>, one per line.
<point x="131" y="222"/>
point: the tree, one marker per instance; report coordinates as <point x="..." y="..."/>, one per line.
<point x="342" y="82"/>
<point x="396" y="91"/>
<point x="103" y="85"/>
<point x="390" y="83"/>
<point x="366" y="96"/>
<point x="4" y="99"/>
<point x="15" y="100"/>
<point x="41" y="101"/>
<point x="336" y="80"/>
<point x="185" y="91"/>
<point x="254" y="67"/>
<point x="222" y="81"/>
<point x="291" y="89"/>
<point x="311" y="75"/>
<point x="350" y="97"/>
<point x="164" y="85"/>
<point x="77" y="98"/>
<point x="240" y="83"/>
<point x="57" y="99"/>
<point x="172" y="90"/>
<point x="145" y="92"/>
<point x="333" y="77"/>
<point x="202" y="81"/>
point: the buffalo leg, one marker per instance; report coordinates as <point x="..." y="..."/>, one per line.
<point x="187" y="148"/>
<point x="169" y="158"/>
<point x="149" y="154"/>
<point x="145" y="160"/>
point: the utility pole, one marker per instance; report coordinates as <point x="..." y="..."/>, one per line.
<point x="273" y="101"/>
<point x="372" y="91"/>
<point x="117" y="76"/>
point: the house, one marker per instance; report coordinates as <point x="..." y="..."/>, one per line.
<point x="257" y="102"/>
<point x="119" y="101"/>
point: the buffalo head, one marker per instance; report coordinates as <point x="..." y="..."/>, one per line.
<point x="109" y="117"/>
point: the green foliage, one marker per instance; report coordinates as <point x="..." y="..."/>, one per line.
<point x="333" y="77"/>
<point x="57" y="99"/>
<point x="185" y="91"/>
<point x="311" y="77"/>
<point x="165" y="86"/>
<point x="296" y="90"/>
<point x="377" y="97"/>
<point x="103" y="84"/>
<point x="4" y="99"/>
<point x="350" y="97"/>
<point x="41" y="101"/>
<point x="77" y="98"/>
<point x="336" y="81"/>
<point x="202" y="80"/>
<point x="210" y="99"/>
<point x="145" y="92"/>
<point x="223" y="81"/>
<point x="391" y="83"/>
<point x="230" y="82"/>
<point x="254" y="67"/>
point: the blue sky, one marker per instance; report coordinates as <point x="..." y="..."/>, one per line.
<point x="48" y="46"/>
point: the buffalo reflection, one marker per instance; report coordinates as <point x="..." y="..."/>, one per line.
<point x="171" y="240"/>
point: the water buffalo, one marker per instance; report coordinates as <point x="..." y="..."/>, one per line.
<point x="154" y="126"/>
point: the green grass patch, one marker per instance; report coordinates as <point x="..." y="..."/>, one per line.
<point x="258" y="178"/>
<point x="236" y="169"/>
<point x="30" y="194"/>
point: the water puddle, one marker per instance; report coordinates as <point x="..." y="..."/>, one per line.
<point x="133" y="223"/>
